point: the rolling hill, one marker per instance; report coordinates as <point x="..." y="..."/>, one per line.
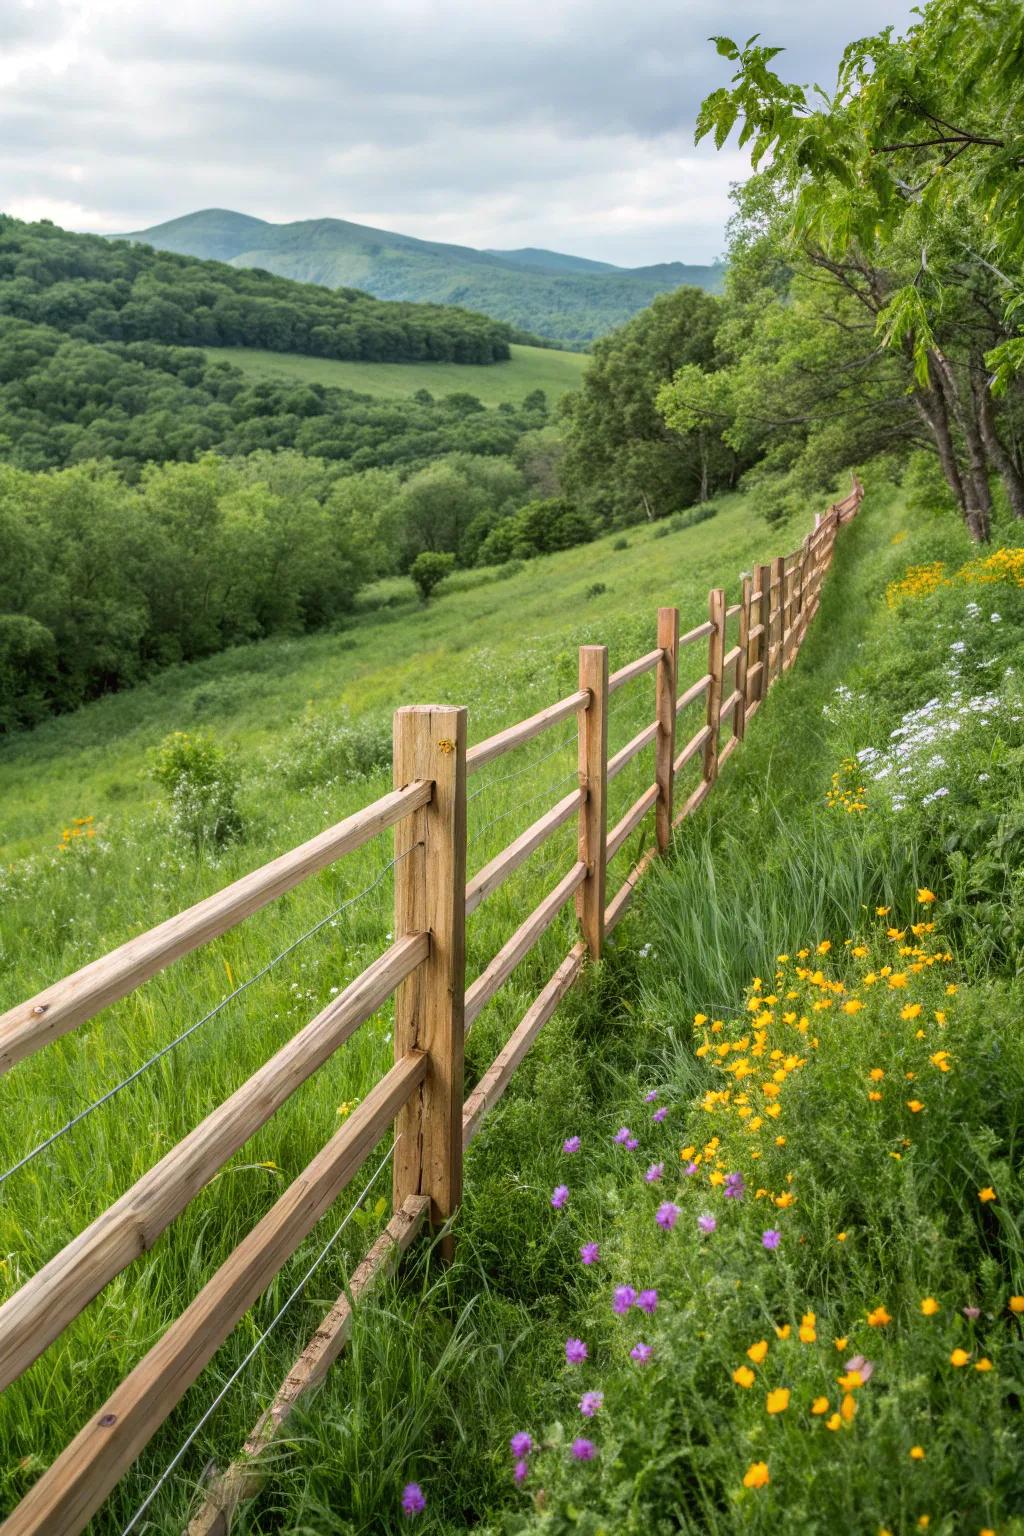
<point x="546" y="293"/>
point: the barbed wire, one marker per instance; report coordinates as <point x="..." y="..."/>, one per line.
<point x="218" y="1008"/>
<point x="261" y="1340"/>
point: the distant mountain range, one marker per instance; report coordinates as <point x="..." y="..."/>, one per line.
<point x="549" y="294"/>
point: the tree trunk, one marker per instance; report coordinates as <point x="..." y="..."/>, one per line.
<point x="1000" y="456"/>
<point x="976" y="486"/>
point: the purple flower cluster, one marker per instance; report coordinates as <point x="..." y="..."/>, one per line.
<point x="707" y="1223"/>
<point x="560" y="1196"/>
<point x="575" y="1351"/>
<point x="590" y="1402"/>
<point x="667" y="1215"/>
<point x="641" y="1353"/>
<point x="590" y="1253"/>
<point x="413" y="1502"/>
<point x="771" y="1239"/>
<point x="735" y="1188"/>
<point x="623" y="1298"/>
<point x="583" y="1450"/>
<point x="654" y="1173"/>
<point x="571" y="1144"/>
<point x="625" y="1138"/>
<point x="521" y="1445"/>
<point x="659" y="1115"/>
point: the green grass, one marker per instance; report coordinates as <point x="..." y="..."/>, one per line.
<point x="304" y="719"/>
<point x="529" y="368"/>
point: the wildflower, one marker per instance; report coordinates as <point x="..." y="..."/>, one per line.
<point x="667" y="1215"/>
<point x="735" y="1188"/>
<point x="820" y="1405"/>
<point x="590" y="1402"/>
<point x="590" y="1253"/>
<point x="707" y="1223"/>
<point x="690" y="1169"/>
<point x="824" y="946"/>
<point x="841" y="1237"/>
<point x="911" y="1011"/>
<point x="649" y="1098"/>
<point x="783" y="1332"/>
<point x="875" y="1096"/>
<point x="413" y="1502"/>
<point x="784" y="1200"/>
<point x="806" y="1332"/>
<point x="986" y="1194"/>
<point x="654" y="1173"/>
<point x="878" y="1318"/>
<point x="771" y="1239"/>
<point x="659" y="1115"/>
<point x="520" y="1445"/>
<point x="622" y="1135"/>
<point x="571" y="1144"/>
<point x="917" y="1453"/>
<point x="777" y="1401"/>
<point x="632" y="1144"/>
<point x="583" y="1450"/>
<point x="915" y="1106"/>
<point x="852" y="1005"/>
<point x="559" y="1196"/>
<point x="743" y="1376"/>
<point x="897" y="980"/>
<point x="1016" y="1304"/>
<point x="758" y="1351"/>
<point x="647" y="1301"/>
<point x="756" y="1475"/>
<point x="876" y="1074"/>
<point x="925" y="896"/>
<point x="959" y="1357"/>
<point x="521" y="1472"/>
<point x="984" y="1364"/>
<point x="929" y="1306"/>
<point x="848" y="1407"/>
<point x="623" y="1298"/>
<point x="575" y="1351"/>
<point x="840" y="1344"/>
<point x="834" y="1423"/>
<point x="641" y="1353"/>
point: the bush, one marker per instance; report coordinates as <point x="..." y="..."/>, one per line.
<point x="429" y="569"/>
<point x="28" y="668"/>
<point x="322" y="751"/>
<point x="202" y="781"/>
<point x="596" y="590"/>
<point x="621" y="544"/>
<point x="701" y="513"/>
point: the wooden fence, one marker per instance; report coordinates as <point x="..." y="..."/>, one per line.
<point x="421" y="1096"/>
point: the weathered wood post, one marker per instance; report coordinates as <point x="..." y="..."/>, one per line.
<point x="665" y="708"/>
<point x="763" y="578"/>
<point x="739" y="719"/>
<point x="430" y="897"/>
<point x="776" y="607"/>
<point x="593" y="776"/>
<point x="716" y="653"/>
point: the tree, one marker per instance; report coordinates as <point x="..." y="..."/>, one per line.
<point x="429" y="569"/>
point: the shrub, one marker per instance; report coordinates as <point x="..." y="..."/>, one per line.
<point x="621" y="544"/>
<point x="202" y="781"/>
<point x="429" y="569"/>
<point x="321" y="750"/>
<point x="28" y="668"/>
<point x="596" y="590"/>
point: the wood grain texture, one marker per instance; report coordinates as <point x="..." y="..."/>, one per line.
<point x="634" y="669"/>
<point x="522" y="941"/>
<point x="634" y="816"/>
<point x="494" y="873"/>
<point x="517" y="735"/>
<point x="716" y="653"/>
<point x="665" y="683"/>
<point x="695" y="691"/>
<point x="627" y="753"/>
<point x="593" y="766"/>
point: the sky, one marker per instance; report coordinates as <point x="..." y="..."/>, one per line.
<point x="566" y="124"/>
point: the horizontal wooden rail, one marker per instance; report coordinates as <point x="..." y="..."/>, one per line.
<point x="629" y="751"/>
<point x="244" y="1477"/>
<point x="698" y="797"/>
<point x="693" y="746"/>
<point x="68" y="1003"/>
<point x="733" y="610"/>
<point x="37" y="1313"/>
<point x="494" y="874"/>
<point x="695" y="691"/>
<point x="496" y="1079"/>
<point x="633" y="817"/>
<point x="63" y="1499"/>
<point x="521" y="942"/>
<point x="636" y="668"/>
<point x="730" y="658"/>
<point x="728" y="704"/>
<point x="700" y="633"/>
<point x="757" y="631"/>
<point x="728" y="750"/>
<point x="616" y="908"/>
<point x="517" y="735"/>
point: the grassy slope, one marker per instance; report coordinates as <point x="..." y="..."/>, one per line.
<point x="60" y="910"/>
<point x="530" y="368"/>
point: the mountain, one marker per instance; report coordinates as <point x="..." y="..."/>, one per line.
<point x="546" y="293"/>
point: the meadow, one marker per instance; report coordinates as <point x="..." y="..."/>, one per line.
<point x="529" y="368"/>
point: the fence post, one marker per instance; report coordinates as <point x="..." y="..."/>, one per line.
<point x="430" y="897"/>
<point x="739" y="719"/>
<point x="716" y="652"/>
<point x="665" y="706"/>
<point x="763" y="576"/>
<point x="777" y="587"/>
<point x="593" y="775"/>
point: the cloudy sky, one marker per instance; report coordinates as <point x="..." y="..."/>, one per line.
<point x="559" y="123"/>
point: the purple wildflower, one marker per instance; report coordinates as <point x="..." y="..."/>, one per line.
<point x="707" y="1223"/>
<point x="690" y="1170"/>
<point x="590" y="1253"/>
<point x="590" y="1402"/>
<point x="667" y="1215"/>
<point x="647" y="1301"/>
<point x="559" y="1196"/>
<point x="520" y="1445"/>
<point x="571" y="1144"/>
<point x="971" y="1312"/>
<point x="621" y="1135"/>
<point x="623" y="1299"/>
<point x="632" y="1144"/>
<point x="641" y="1353"/>
<point x="735" y="1188"/>
<point x="521" y="1471"/>
<point x="659" y="1115"/>
<point x="771" y="1239"/>
<point x="575" y="1351"/>
<point x="413" y="1502"/>
<point x="649" y="1098"/>
<point x="584" y="1450"/>
<point x="654" y="1173"/>
<point x="864" y="1368"/>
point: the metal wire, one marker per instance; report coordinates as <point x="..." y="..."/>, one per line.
<point x="268" y="1330"/>
<point x="534" y="762"/>
<point x="163" y="1051"/>
<point x="512" y="809"/>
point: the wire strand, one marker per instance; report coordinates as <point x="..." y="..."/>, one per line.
<point x="512" y="809"/>
<point x="534" y="762"/>
<point x="268" y="1330"/>
<point x="163" y="1051"/>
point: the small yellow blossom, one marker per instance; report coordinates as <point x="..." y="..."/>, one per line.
<point x="915" y="1106"/>
<point x="756" y="1475"/>
<point x="986" y="1194"/>
<point x="879" y="1318"/>
<point x="917" y="1453"/>
<point x="959" y="1357"/>
<point x="835" y="1422"/>
<point x="783" y="1332"/>
<point x="925" y="896"/>
<point x="911" y="1011"/>
<point x="984" y="1364"/>
<point x="758" y="1351"/>
<point x="929" y="1306"/>
<point x="1016" y="1304"/>
<point x="820" y="1405"/>
<point x="840" y="1344"/>
<point x="743" y="1376"/>
<point x="777" y="1401"/>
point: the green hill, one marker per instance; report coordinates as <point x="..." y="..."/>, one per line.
<point x="546" y="293"/>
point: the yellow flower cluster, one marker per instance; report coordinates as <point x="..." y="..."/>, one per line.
<point x="1003" y="565"/>
<point x="81" y="827"/>
<point x="918" y="581"/>
<point x="843" y="796"/>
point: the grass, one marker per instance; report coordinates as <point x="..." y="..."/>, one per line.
<point x="304" y="720"/>
<point x="529" y="368"/>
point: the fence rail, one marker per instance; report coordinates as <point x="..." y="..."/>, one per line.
<point x="421" y="1098"/>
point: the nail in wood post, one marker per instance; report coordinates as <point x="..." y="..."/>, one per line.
<point x="739" y="719"/>
<point x="593" y="771"/>
<point x="716" y="653"/>
<point x="763" y="576"/>
<point x="665" y="701"/>
<point x="778" y="582"/>
<point x="430" y="886"/>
